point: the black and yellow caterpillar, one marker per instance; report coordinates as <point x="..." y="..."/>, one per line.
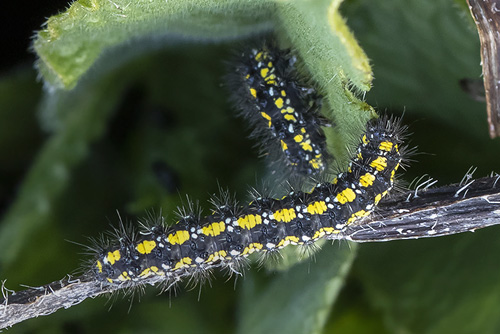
<point x="233" y="232"/>
<point x="282" y="111"/>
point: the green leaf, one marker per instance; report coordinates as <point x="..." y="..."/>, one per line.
<point x="298" y="300"/>
<point x="336" y="62"/>
<point x="73" y="40"/>
<point x="420" y="51"/>
<point x="91" y="107"/>
<point x="102" y="48"/>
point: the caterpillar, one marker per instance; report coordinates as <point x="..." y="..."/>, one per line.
<point x="231" y="233"/>
<point x="282" y="112"/>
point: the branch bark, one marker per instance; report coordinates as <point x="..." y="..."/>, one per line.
<point x="486" y="14"/>
<point x="414" y="214"/>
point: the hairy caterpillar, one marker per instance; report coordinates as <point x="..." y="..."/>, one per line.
<point x="231" y="233"/>
<point x="282" y="112"/>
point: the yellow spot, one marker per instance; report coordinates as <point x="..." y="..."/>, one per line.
<point x="270" y="64"/>
<point x="146" y="246"/>
<point x="264" y="72"/>
<point x="316" y="163"/>
<point x="252" y="248"/>
<point x="178" y="237"/>
<point x="249" y="221"/>
<point x="253" y="91"/>
<point x="365" y="140"/>
<point x="360" y="156"/>
<point x="285" y="215"/>
<point x="214" y="229"/>
<point x="113" y="257"/>
<point x="378" y="198"/>
<point x="216" y="256"/>
<point x="355" y="216"/>
<point x="291" y="239"/>
<point x="99" y="266"/>
<point x="149" y="271"/>
<point x="290" y="118"/>
<point x="303" y="130"/>
<point x="306" y="146"/>
<point x="259" y="56"/>
<point x="379" y="164"/>
<point x="323" y="231"/>
<point x="110" y="280"/>
<point x="385" y="146"/>
<point x="317" y="208"/>
<point x="145" y="272"/>
<point x="279" y="103"/>
<point x="283" y="93"/>
<point x="184" y="262"/>
<point x="346" y="195"/>
<point x="367" y="180"/>
<point x="298" y="138"/>
<point x="247" y="76"/>
<point x="266" y="116"/>
<point x="124" y="276"/>
<point x="270" y="79"/>
<point x="284" y="146"/>
<point x="288" y="110"/>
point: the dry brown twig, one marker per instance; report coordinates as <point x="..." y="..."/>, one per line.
<point x="421" y="213"/>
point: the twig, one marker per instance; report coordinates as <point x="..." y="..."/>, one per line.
<point x="486" y="14"/>
<point x="430" y="213"/>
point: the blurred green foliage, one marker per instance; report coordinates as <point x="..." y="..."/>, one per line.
<point x="148" y="120"/>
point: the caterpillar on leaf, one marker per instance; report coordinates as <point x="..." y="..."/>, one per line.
<point x="280" y="108"/>
<point x="195" y="244"/>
